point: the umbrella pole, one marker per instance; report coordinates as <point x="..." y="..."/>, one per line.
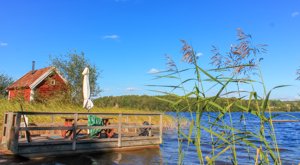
<point x="88" y="130"/>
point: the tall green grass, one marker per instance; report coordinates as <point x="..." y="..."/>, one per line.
<point x="233" y="71"/>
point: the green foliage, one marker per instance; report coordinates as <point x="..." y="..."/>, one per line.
<point x="158" y="103"/>
<point x="71" y="66"/>
<point x="5" y="81"/>
<point x="136" y="102"/>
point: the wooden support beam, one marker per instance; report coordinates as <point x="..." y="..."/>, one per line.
<point x="126" y="121"/>
<point x="84" y="127"/>
<point x="52" y="124"/>
<point x="45" y="128"/>
<point x="160" y="128"/>
<point x="15" y="139"/>
<point x="7" y="129"/>
<point x="141" y="126"/>
<point x="150" y="123"/>
<point x="84" y="141"/>
<point x="74" y="131"/>
<point x="120" y="130"/>
<point x="102" y="114"/>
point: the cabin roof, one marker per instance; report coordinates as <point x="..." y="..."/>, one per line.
<point x="33" y="78"/>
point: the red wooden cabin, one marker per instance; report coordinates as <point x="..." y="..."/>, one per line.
<point x="44" y="83"/>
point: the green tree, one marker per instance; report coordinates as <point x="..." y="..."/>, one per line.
<point x="5" y="81"/>
<point x="71" y="66"/>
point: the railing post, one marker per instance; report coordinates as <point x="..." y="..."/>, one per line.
<point x="74" y="131"/>
<point x="150" y="120"/>
<point x="160" y="128"/>
<point x="126" y="121"/>
<point x="120" y="130"/>
<point x="16" y="128"/>
<point x="135" y="119"/>
<point x="52" y="124"/>
<point x="6" y="129"/>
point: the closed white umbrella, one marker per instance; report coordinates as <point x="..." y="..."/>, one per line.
<point x="87" y="102"/>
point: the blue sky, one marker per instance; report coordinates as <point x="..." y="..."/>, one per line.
<point x="127" y="38"/>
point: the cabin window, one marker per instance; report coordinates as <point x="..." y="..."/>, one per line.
<point x="52" y="82"/>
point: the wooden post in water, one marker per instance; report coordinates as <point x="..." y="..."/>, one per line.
<point x="160" y="128"/>
<point x="120" y="130"/>
<point x="74" y="131"/>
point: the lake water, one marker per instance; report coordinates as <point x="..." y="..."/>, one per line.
<point x="287" y="133"/>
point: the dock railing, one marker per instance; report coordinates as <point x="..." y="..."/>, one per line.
<point x="12" y="130"/>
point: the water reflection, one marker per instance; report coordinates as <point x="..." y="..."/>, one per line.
<point x="138" y="157"/>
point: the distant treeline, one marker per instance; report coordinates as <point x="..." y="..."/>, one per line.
<point x="156" y="103"/>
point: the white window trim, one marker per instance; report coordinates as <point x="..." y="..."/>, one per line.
<point x="31" y="95"/>
<point x="53" y="82"/>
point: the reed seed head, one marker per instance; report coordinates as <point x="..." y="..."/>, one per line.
<point x="189" y="55"/>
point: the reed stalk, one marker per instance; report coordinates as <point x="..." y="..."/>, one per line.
<point x="225" y="138"/>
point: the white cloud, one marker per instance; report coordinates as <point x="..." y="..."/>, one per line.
<point x="295" y="14"/>
<point x="132" y="89"/>
<point x="199" y="54"/>
<point x="3" y="44"/>
<point x="112" y="37"/>
<point x="153" y="71"/>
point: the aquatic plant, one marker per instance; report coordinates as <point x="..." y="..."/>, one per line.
<point x="237" y="69"/>
<point x="298" y="74"/>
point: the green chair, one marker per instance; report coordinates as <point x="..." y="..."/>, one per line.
<point x="94" y="121"/>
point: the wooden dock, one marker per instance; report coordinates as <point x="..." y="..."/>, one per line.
<point x="50" y="139"/>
